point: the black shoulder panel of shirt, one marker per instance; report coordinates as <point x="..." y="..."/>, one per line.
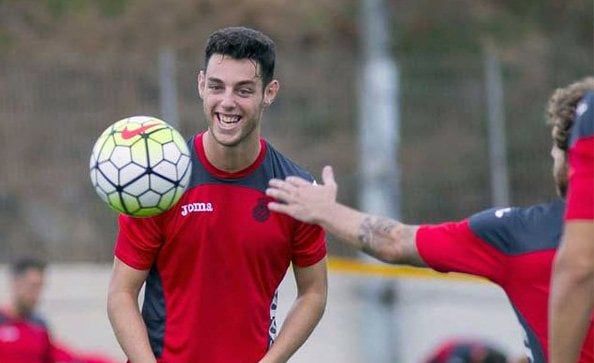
<point x="32" y="319"/>
<point x="584" y="121"/>
<point x="38" y="320"/>
<point x="274" y="165"/>
<point x="281" y="166"/>
<point x="515" y="231"/>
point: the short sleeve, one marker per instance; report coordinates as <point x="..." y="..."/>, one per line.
<point x="453" y="247"/>
<point x="309" y="245"/>
<point x="580" y="194"/>
<point x="138" y="241"/>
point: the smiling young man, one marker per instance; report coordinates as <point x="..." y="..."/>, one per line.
<point x="513" y="247"/>
<point x="213" y="263"/>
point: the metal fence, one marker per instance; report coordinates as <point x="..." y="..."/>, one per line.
<point x="52" y="110"/>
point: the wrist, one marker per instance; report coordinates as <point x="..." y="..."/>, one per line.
<point x="323" y="216"/>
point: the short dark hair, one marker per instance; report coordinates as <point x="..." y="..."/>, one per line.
<point x="243" y="43"/>
<point x="561" y="110"/>
<point x="22" y="265"/>
<point x="467" y="352"/>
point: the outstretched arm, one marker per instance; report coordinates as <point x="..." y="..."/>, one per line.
<point x="381" y="237"/>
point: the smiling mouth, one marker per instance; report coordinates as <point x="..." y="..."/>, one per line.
<point x="228" y="119"/>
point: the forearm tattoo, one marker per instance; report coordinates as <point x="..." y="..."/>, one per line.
<point x="373" y="232"/>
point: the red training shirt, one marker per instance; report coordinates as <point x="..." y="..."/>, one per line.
<point x="216" y="260"/>
<point x="514" y="248"/>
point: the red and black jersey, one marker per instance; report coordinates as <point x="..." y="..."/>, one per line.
<point x="216" y="260"/>
<point x="514" y="248"/>
<point x="24" y="340"/>
<point x="580" y="194"/>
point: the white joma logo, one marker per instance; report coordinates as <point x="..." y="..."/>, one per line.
<point x="500" y="212"/>
<point x="196" y="207"/>
<point x="581" y="108"/>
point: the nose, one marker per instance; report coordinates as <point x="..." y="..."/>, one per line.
<point x="227" y="100"/>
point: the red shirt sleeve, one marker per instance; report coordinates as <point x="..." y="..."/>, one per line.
<point x="138" y="241"/>
<point x="309" y="245"/>
<point x="580" y="194"/>
<point x="453" y="247"/>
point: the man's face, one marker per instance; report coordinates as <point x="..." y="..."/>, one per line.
<point x="27" y="289"/>
<point x="559" y="170"/>
<point x="233" y="99"/>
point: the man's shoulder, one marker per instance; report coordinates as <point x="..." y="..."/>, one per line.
<point x="283" y="166"/>
<point x="516" y="230"/>
<point x="37" y="319"/>
<point x="4" y="318"/>
<point x="34" y="319"/>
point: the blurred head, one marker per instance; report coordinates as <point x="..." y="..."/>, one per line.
<point x="27" y="277"/>
<point x="561" y="115"/>
<point x="236" y="85"/>
<point x="466" y="352"/>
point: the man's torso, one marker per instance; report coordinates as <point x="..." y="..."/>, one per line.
<point x="23" y="340"/>
<point x="513" y="247"/>
<point x="210" y="294"/>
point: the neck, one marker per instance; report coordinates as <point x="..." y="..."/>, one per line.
<point x="231" y="158"/>
<point x="13" y="310"/>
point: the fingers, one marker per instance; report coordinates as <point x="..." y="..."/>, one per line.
<point x="297" y="181"/>
<point x="290" y="188"/>
<point x="328" y="175"/>
<point x="276" y="183"/>
<point x="290" y="185"/>
<point x="285" y="185"/>
<point x="278" y="191"/>
<point x="278" y="207"/>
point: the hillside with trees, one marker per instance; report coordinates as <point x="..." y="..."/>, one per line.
<point x="69" y="68"/>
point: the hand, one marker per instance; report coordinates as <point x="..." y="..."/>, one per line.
<point x="301" y="199"/>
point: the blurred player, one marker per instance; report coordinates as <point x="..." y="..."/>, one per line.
<point x="457" y="351"/>
<point x="572" y="297"/>
<point x="513" y="247"/>
<point x="24" y="335"/>
<point x="213" y="263"/>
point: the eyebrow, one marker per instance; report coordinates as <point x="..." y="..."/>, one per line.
<point x="246" y="83"/>
<point x="212" y="79"/>
<point x="239" y="84"/>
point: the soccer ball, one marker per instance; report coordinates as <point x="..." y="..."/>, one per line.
<point x="140" y="166"/>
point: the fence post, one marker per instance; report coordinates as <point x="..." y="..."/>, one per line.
<point x="496" y="129"/>
<point x="168" y="87"/>
<point x="378" y="141"/>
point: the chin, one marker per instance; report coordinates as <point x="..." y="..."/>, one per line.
<point x="226" y="140"/>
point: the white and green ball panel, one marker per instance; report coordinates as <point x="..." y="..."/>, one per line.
<point x="145" y="174"/>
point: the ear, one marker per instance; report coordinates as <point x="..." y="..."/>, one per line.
<point x="201" y="83"/>
<point x="270" y="92"/>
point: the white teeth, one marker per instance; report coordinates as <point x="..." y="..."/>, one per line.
<point x="228" y="118"/>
